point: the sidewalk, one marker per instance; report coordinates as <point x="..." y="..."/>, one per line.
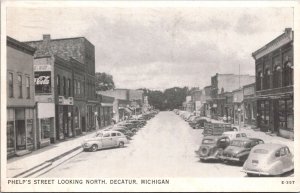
<point x="18" y="165"/>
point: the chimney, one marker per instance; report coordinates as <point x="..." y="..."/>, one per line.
<point x="46" y="37"/>
<point x="288" y="30"/>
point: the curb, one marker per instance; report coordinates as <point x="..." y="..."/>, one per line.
<point x="46" y="164"/>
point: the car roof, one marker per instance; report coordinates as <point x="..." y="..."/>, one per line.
<point x="246" y="139"/>
<point x="270" y="146"/>
<point x="213" y="137"/>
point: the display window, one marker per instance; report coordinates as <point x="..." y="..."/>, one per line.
<point x="45" y="128"/>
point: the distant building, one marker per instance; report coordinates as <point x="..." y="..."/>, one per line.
<point x="221" y="83"/>
<point x="274" y="68"/>
<point x="22" y="135"/>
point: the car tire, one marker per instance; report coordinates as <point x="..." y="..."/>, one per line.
<point x="94" y="148"/>
<point x="121" y="144"/>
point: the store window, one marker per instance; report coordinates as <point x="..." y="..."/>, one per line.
<point x="64" y="87"/>
<point x="45" y="128"/>
<point x="29" y="126"/>
<point x="264" y="112"/>
<point x="69" y="87"/>
<point x="27" y="87"/>
<point x="20" y="86"/>
<point x="286" y="114"/>
<point x="10" y="132"/>
<point x="10" y="85"/>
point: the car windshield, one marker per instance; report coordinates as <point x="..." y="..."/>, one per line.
<point x="208" y="141"/>
<point x="261" y="151"/>
<point x="238" y="143"/>
<point x="99" y="134"/>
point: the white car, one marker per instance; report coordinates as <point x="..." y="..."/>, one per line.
<point x="105" y="139"/>
<point x="234" y="134"/>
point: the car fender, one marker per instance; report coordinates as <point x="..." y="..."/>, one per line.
<point x="275" y="168"/>
<point x="243" y="153"/>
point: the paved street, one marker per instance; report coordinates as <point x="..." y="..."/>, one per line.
<point x="163" y="148"/>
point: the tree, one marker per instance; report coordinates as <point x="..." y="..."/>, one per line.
<point x="104" y="81"/>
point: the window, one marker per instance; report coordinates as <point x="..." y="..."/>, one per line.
<point x="277" y="77"/>
<point x="286" y="114"/>
<point x="58" y="84"/>
<point x="78" y="87"/>
<point x="106" y="135"/>
<point x="259" y="82"/>
<point x="75" y="87"/>
<point x="20" y="86"/>
<point x="267" y="78"/>
<point x="64" y="86"/>
<point x="69" y="87"/>
<point x="288" y="74"/>
<point x="264" y="112"/>
<point x="10" y="85"/>
<point x="113" y="134"/>
<point x="118" y="134"/>
<point x="28" y="87"/>
<point x="45" y="128"/>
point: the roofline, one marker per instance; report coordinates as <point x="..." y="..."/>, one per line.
<point x="19" y="44"/>
<point x="58" y="39"/>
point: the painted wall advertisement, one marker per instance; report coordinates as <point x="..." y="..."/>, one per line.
<point x="42" y="81"/>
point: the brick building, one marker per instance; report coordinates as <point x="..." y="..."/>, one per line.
<point x="22" y="136"/>
<point x="82" y="53"/>
<point x="274" y="67"/>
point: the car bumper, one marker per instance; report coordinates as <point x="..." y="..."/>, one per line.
<point x="256" y="172"/>
<point x="229" y="158"/>
<point x="86" y="146"/>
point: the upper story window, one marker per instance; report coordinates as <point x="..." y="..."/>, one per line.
<point x="20" y="86"/>
<point x="277" y="78"/>
<point x="259" y="81"/>
<point x="64" y="87"/>
<point x="267" y="79"/>
<point x="10" y="85"/>
<point x="58" y="84"/>
<point x="288" y="74"/>
<point x="28" y="87"/>
<point x="69" y="87"/>
<point x="78" y="87"/>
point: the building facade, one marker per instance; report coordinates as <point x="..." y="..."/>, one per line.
<point x="22" y="136"/>
<point x="249" y="103"/>
<point x="80" y="51"/>
<point x="274" y="67"/>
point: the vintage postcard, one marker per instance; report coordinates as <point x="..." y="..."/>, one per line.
<point x="149" y="96"/>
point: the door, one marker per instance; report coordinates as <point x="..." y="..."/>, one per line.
<point x="115" y="139"/>
<point x="83" y="124"/>
<point x="20" y="129"/>
<point x="107" y="140"/>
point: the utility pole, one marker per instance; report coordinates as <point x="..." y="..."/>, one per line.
<point x="239" y="76"/>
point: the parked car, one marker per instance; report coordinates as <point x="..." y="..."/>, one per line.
<point x="234" y="134"/>
<point x="212" y="146"/>
<point x="198" y="122"/>
<point x="105" y="139"/>
<point x="269" y="159"/>
<point x="239" y="149"/>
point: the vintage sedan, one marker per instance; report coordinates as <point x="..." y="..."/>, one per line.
<point x="105" y="139"/>
<point x="269" y="160"/>
<point x="234" y="134"/>
<point x="239" y="149"/>
<point x="211" y="147"/>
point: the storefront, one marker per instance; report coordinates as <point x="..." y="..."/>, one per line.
<point x="20" y="130"/>
<point x="45" y="122"/>
<point x="64" y="110"/>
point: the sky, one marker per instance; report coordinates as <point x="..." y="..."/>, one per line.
<point x="159" y="47"/>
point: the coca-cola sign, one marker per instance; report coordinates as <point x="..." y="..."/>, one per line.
<point x="42" y="81"/>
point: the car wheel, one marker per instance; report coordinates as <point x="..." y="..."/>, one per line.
<point x="121" y="144"/>
<point x="94" y="147"/>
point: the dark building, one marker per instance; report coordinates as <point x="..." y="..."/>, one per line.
<point x="21" y="129"/>
<point x="83" y="54"/>
<point x="274" y="67"/>
<point x="249" y="105"/>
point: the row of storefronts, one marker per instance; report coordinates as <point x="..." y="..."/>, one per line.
<point x="264" y="101"/>
<point x="51" y="93"/>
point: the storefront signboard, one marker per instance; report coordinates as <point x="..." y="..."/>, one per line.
<point x="42" y="81"/>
